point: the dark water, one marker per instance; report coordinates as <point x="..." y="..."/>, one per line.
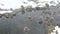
<point x="17" y="24"/>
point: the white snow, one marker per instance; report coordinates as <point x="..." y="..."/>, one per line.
<point x="3" y="12"/>
<point x="7" y="4"/>
<point x="56" y="29"/>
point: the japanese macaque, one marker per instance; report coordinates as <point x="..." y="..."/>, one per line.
<point x="37" y="8"/>
<point x="1" y="15"/>
<point x="11" y="9"/>
<point x="47" y="12"/>
<point x="6" y="15"/>
<point x="10" y="15"/>
<point x="13" y="13"/>
<point x="47" y="18"/>
<point x="41" y="20"/>
<point x="56" y="32"/>
<point x="54" y="13"/>
<point x="26" y="29"/>
<point x="29" y="8"/>
<point x="30" y="17"/>
<point x="47" y="5"/>
<point x="22" y="9"/>
<point x="42" y="8"/>
<point x="52" y="19"/>
<point x="52" y="2"/>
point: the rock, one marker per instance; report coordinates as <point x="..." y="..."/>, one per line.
<point x="26" y="29"/>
